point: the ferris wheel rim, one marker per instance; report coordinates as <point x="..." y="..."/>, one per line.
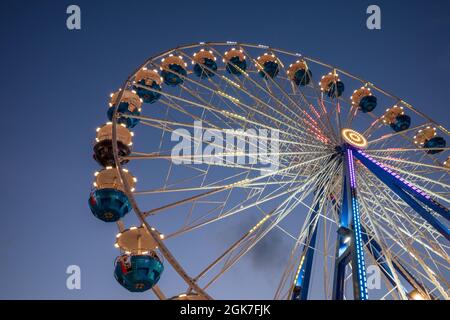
<point x="127" y="83"/>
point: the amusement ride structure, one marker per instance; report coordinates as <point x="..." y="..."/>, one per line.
<point x="358" y="177"/>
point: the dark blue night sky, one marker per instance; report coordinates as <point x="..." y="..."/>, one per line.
<point x="55" y="85"/>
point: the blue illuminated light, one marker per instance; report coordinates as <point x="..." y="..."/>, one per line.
<point x="357" y="229"/>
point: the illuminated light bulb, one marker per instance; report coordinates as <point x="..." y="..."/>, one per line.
<point x="415" y="295"/>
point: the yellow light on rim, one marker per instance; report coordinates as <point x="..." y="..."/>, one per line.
<point x="354" y="138"/>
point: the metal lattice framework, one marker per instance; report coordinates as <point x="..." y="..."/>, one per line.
<point x="343" y="204"/>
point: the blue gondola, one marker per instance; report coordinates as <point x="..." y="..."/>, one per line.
<point x="270" y="68"/>
<point x="172" y="77"/>
<point x="140" y="273"/>
<point x="401" y="123"/>
<point x="109" y="205"/>
<point x="336" y="89"/>
<point x="148" y="96"/>
<point x="200" y="71"/>
<point x="435" y="143"/>
<point x="302" y="77"/>
<point x="368" y="103"/>
<point x="124" y="109"/>
<point x="236" y="62"/>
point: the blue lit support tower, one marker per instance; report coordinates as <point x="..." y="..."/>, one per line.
<point x="352" y="237"/>
<point x="349" y="247"/>
<point x="303" y="277"/>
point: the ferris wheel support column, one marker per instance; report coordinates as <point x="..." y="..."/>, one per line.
<point x="349" y="247"/>
<point x="301" y="287"/>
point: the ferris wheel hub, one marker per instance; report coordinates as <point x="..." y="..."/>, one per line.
<point x="354" y="138"/>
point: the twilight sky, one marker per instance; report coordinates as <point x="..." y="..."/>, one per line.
<point x="55" y="83"/>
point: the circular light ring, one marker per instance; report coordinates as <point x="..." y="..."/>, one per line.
<point x="354" y="138"/>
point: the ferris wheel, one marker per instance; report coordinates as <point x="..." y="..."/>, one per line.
<point x="248" y="140"/>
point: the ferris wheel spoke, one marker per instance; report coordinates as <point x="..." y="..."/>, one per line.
<point x="251" y="203"/>
<point x="414" y="180"/>
<point x="236" y="116"/>
<point x="384" y="252"/>
<point x="306" y="119"/>
<point x="190" y="199"/>
<point x="285" y="94"/>
<point x="387" y="150"/>
<point x="413" y="163"/>
<point x="236" y="88"/>
<point x="397" y="134"/>
<point x="286" y="207"/>
<point x="385" y="196"/>
<point x="316" y="211"/>
<point x="408" y="249"/>
<point x="157" y="122"/>
<point x="252" y="186"/>
<point x="429" y="237"/>
<point x="417" y="227"/>
<point x="233" y="261"/>
<point x="410" y="236"/>
<point x="287" y="121"/>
